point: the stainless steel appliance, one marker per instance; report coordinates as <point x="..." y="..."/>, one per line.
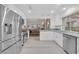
<point x="70" y="44"/>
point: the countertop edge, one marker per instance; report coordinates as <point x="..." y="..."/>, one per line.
<point x="76" y="34"/>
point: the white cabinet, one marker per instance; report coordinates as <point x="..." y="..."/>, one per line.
<point x="46" y="35"/>
<point x="58" y="37"/>
<point x="52" y="35"/>
<point x="0" y="46"/>
<point x="78" y="45"/>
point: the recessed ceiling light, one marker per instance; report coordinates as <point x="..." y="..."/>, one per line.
<point x="29" y="11"/>
<point x="64" y="8"/>
<point x="52" y="11"/>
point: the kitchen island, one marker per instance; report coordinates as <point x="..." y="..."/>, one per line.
<point x="68" y="40"/>
<point x="52" y="35"/>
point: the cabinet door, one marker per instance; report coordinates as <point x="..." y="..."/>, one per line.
<point x="78" y="45"/>
<point x="46" y="35"/>
<point x="59" y="39"/>
<point x="0" y="46"/>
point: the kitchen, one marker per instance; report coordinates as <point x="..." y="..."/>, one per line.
<point x="64" y="32"/>
<point x="66" y="37"/>
<point x="47" y="26"/>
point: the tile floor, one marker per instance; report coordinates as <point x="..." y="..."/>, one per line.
<point x="35" y="46"/>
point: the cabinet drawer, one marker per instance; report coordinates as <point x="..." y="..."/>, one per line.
<point x="8" y="43"/>
<point x="11" y="50"/>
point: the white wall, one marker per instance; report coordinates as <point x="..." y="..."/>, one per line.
<point x="56" y="20"/>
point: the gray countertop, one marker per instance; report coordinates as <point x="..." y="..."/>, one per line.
<point x="76" y="34"/>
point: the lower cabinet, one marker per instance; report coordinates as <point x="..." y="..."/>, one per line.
<point x="52" y="35"/>
<point x="0" y="46"/>
<point x="58" y="37"/>
<point x="46" y="35"/>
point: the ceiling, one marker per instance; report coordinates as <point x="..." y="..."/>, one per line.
<point x="40" y="10"/>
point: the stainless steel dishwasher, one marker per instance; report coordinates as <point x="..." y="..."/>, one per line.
<point x="70" y="44"/>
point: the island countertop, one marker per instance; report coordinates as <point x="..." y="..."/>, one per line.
<point x="72" y="33"/>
